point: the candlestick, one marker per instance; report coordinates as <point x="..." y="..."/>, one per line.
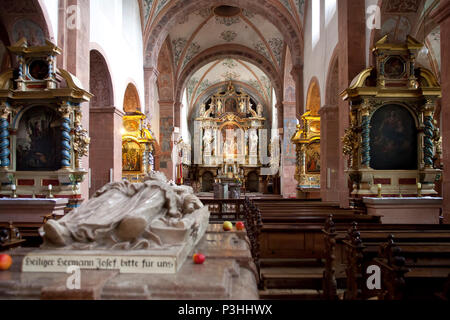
<point x="379" y="190"/>
<point x="419" y="189"/>
<point x="13" y="189"/>
<point x="50" y="187"/>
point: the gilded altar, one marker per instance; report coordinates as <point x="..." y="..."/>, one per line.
<point x="229" y="130"/>
<point x="137" y="147"/>
<point x="393" y="142"/>
<point x="42" y="140"/>
<point x="307" y="142"/>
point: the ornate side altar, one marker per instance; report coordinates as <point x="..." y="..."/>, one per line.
<point x="137" y="147"/>
<point x="392" y="141"/>
<point x="230" y="126"/>
<point x="41" y="137"/>
<point x="307" y="142"/>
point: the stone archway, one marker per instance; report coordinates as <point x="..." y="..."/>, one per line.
<point x="104" y="126"/>
<point x="329" y="132"/>
<point x="287" y="121"/>
<point x="230" y="51"/>
<point x="169" y="114"/>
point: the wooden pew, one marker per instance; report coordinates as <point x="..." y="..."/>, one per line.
<point x="301" y="237"/>
<point x="425" y="248"/>
<point x="224" y="209"/>
<point x="414" y="270"/>
<point x="253" y="224"/>
<point x="10" y="237"/>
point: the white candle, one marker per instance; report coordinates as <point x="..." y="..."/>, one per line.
<point x="50" y="187"/>
<point x="13" y="187"/>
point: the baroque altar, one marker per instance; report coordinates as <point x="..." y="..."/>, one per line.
<point x="137" y="147"/>
<point x="229" y="127"/>
<point x="307" y="142"/>
<point x="393" y="142"/>
<point x="42" y="140"/>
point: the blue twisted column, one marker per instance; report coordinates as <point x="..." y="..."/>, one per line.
<point x="66" y="154"/>
<point x="428" y="152"/>
<point x="365" y="140"/>
<point x="4" y="136"/>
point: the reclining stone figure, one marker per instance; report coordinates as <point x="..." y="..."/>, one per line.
<point x="123" y="216"/>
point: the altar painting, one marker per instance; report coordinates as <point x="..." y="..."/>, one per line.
<point x="131" y="156"/>
<point x="39" y="140"/>
<point x="393" y="139"/>
<point x="313" y="158"/>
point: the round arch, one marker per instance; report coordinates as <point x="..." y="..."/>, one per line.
<point x="100" y="82"/>
<point x="331" y="88"/>
<point x="230" y="51"/>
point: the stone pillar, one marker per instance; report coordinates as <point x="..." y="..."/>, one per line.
<point x="352" y="49"/>
<point x="150" y="77"/>
<point x="106" y="146"/>
<point x="288" y="151"/>
<point x="166" y="125"/>
<point x="297" y="75"/>
<point x="442" y="16"/>
<point x="177" y="115"/>
<point x="74" y="39"/>
<point x="329" y="153"/>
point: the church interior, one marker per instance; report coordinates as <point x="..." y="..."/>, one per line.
<point x="244" y="149"/>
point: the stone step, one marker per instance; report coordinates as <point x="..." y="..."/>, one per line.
<point x="294" y="263"/>
<point x="292" y="279"/>
<point x="290" y="294"/>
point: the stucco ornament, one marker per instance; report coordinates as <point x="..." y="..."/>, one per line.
<point x="126" y="216"/>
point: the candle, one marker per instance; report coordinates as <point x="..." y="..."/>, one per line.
<point x="13" y="187"/>
<point x="419" y="185"/>
<point x="379" y="186"/>
<point x="50" y="187"/>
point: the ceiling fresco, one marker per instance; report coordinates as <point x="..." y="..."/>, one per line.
<point x="202" y="30"/>
<point x="225" y="70"/>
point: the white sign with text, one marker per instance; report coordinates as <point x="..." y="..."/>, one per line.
<point x="124" y="263"/>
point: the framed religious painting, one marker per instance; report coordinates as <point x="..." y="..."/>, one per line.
<point x="131" y="157"/>
<point x="313" y="158"/>
<point x="393" y="139"/>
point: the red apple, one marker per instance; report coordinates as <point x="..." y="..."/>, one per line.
<point x="5" y="261"/>
<point x="227" y="226"/>
<point x="240" y="225"/>
<point x="198" y="258"/>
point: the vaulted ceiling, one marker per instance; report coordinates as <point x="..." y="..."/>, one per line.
<point x="224" y="70"/>
<point x="152" y="8"/>
<point x="223" y="41"/>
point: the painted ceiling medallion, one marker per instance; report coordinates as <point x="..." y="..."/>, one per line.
<point x="228" y="35"/>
